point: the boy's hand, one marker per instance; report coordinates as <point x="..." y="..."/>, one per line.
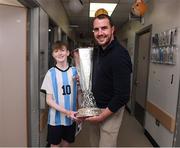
<point x="72" y="115"/>
<point x="76" y="78"/>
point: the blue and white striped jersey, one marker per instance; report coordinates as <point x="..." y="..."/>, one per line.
<point x="63" y="87"/>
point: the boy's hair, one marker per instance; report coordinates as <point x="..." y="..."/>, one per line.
<point x="59" y="45"/>
<point x="103" y="16"/>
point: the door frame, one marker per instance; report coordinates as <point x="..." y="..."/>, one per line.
<point x="33" y="71"/>
<point x="176" y="138"/>
<point x="136" y="51"/>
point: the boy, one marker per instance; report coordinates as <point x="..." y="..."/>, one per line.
<point x="61" y="94"/>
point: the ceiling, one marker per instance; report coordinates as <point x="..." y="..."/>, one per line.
<point x="11" y="2"/>
<point x="78" y="14"/>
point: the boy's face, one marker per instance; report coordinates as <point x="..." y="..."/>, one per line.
<point x="60" y="54"/>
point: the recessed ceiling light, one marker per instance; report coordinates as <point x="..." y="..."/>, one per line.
<point x="109" y="7"/>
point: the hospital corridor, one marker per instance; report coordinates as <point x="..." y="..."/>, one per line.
<point x="148" y="32"/>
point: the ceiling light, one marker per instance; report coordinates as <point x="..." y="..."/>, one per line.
<point x="109" y="7"/>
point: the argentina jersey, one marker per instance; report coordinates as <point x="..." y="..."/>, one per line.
<point x="64" y="90"/>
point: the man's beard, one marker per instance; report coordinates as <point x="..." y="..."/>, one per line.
<point x="108" y="41"/>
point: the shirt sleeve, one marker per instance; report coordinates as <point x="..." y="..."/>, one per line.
<point x="75" y="73"/>
<point x="47" y="84"/>
<point x="121" y="80"/>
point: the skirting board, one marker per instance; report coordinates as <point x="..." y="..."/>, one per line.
<point x="153" y="142"/>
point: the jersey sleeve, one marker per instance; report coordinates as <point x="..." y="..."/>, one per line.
<point x="74" y="71"/>
<point x="47" y="84"/>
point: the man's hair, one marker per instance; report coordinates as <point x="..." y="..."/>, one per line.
<point x="103" y="16"/>
<point x="59" y="45"/>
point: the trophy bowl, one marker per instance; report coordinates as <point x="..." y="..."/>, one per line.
<point x="83" y="63"/>
<point x="88" y="112"/>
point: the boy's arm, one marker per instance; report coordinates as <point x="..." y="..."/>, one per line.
<point x="53" y="104"/>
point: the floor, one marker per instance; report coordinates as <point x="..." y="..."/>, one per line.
<point x="130" y="135"/>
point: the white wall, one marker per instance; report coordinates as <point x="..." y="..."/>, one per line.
<point x="56" y="12"/>
<point x="163" y="15"/>
<point x="11" y="2"/>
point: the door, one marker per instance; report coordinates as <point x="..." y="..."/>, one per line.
<point x="13" y="76"/>
<point x="141" y="73"/>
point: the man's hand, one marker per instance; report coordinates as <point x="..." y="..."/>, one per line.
<point x="95" y="119"/>
<point x="101" y="117"/>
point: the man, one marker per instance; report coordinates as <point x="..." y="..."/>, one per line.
<point x="111" y="83"/>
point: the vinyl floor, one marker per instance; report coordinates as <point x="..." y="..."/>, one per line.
<point x="131" y="134"/>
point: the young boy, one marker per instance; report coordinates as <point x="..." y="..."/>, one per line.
<point x="61" y="95"/>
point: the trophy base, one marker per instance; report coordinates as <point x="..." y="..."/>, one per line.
<point x="88" y="112"/>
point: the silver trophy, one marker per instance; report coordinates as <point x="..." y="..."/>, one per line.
<point x="83" y="63"/>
